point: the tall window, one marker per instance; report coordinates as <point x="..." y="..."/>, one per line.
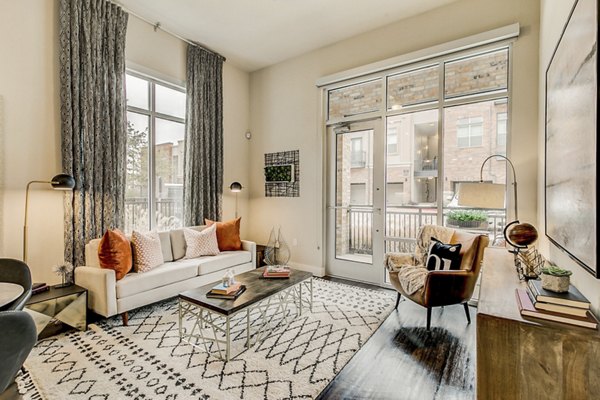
<point x="155" y="149"/>
<point x="469" y="132"/>
<point x="501" y="120"/>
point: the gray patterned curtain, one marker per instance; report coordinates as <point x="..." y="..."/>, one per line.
<point x="93" y="119"/>
<point x="203" y="161"/>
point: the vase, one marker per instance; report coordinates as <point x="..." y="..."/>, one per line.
<point x="277" y="251"/>
<point x="558" y="284"/>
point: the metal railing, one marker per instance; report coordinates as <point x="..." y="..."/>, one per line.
<point x="169" y="214"/>
<point x="402" y="225"/>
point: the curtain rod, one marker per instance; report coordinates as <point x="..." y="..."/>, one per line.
<point x="157" y="25"/>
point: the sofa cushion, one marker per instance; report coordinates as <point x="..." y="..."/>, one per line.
<point x="178" y="241"/>
<point x="162" y="275"/>
<point x="91" y="253"/>
<point x="165" y="245"/>
<point x="225" y="260"/>
<point x="202" y="243"/>
<point x="228" y="233"/>
<point x="114" y="252"/>
<point x="147" y="251"/>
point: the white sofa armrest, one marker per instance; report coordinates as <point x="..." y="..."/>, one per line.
<point x="101" y="284"/>
<point x="251" y="247"/>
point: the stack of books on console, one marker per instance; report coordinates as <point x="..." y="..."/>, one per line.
<point x="570" y="307"/>
<point x="276" y="271"/>
<point x="230" y="292"/>
<point x="39" y="288"/>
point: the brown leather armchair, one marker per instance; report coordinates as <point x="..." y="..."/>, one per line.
<point x="441" y="288"/>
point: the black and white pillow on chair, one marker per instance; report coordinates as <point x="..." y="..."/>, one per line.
<point x="442" y="256"/>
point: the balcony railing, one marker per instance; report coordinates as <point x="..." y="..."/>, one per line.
<point x="402" y="225"/>
<point x="169" y="214"/>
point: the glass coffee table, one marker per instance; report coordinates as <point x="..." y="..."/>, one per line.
<point x="267" y="304"/>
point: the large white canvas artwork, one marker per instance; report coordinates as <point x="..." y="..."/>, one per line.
<point x="571" y="134"/>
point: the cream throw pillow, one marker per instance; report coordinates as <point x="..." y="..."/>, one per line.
<point x="147" y="251"/>
<point x="203" y="243"/>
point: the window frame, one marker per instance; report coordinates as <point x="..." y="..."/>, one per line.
<point x="152" y="115"/>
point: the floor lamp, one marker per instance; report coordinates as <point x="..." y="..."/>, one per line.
<point x="236" y="187"/>
<point x="59" y="182"/>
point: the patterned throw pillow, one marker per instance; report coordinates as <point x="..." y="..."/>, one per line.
<point x="147" y="252"/>
<point x="443" y="257"/>
<point x="203" y="243"/>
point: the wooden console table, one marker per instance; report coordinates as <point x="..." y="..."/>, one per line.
<point x="521" y="358"/>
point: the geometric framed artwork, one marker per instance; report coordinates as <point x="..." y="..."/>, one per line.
<point x="282" y="174"/>
<point x="571" y="137"/>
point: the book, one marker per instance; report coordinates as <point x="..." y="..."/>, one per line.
<point x="572" y="298"/>
<point x="39" y="288"/>
<point x="222" y="289"/>
<point x="580" y="312"/>
<point x="231" y="296"/>
<point x="527" y="309"/>
<point x="36" y="285"/>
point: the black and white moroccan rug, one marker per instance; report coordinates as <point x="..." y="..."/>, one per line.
<point x="147" y="360"/>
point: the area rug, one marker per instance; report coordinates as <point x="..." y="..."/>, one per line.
<point x="147" y="360"/>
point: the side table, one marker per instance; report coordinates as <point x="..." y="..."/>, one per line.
<point x="57" y="306"/>
<point x="260" y="255"/>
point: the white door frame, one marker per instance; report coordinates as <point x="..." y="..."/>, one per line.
<point x="352" y="269"/>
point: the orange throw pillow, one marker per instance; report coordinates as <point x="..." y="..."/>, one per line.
<point x="228" y="234"/>
<point x="114" y="252"/>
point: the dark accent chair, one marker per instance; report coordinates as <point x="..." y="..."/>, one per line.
<point x="17" y="337"/>
<point x="442" y="288"/>
<point x="15" y="271"/>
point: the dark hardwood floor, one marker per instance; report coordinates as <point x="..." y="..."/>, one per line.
<point x="404" y="361"/>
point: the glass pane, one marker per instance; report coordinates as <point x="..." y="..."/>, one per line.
<point x="354" y="196"/>
<point x="470" y="136"/>
<point x="136" y="181"/>
<point x="477" y="74"/>
<point x="414" y="87"/>
<point x="355" y="99"/>
<point x="411" y="178"/>
<point x="168" y="160"/>
<point x="169" y="101"/>
<point x="137" y="92"/>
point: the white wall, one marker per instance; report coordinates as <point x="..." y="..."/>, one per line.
<point x="30" y="123"/>
<point x="553" y="18"/>
<point x="285" y="108"/>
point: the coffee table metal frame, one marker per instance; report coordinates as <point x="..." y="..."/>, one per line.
<point x="209" y="327"/>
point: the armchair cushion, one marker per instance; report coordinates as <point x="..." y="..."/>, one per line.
<point x="443" y="256"/>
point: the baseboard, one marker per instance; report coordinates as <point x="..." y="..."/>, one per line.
<point x="317" y="271"/>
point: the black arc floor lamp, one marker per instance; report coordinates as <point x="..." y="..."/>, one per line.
<point x="59" y="182"/>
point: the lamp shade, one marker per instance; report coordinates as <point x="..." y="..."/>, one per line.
<point x="235" y="187"/>
<point x="481" y="195"/>
<point x="63" y="182"/>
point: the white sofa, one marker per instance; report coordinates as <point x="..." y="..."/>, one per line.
<point x="108" y="297"/>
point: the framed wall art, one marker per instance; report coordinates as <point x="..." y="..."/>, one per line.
<point x="571" y="137"/>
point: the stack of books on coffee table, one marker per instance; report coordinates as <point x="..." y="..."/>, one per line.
<point x="276" y="271"/>
<point x="570" y="307"/>
<point x="229" y="292"/>
<point x="39" y="287"/>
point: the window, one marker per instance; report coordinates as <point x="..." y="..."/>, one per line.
<point x="501" y="120"/>
<point x="155" y="149"/>
<point x="358" y="155"/>
<point x="392" y="141"/>
<point x="469" y="132"/>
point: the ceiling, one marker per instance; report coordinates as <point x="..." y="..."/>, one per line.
<point x="253" y="34"/>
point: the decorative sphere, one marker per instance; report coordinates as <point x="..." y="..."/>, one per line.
<point x="522" y="234"/>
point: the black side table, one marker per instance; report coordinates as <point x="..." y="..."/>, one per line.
<point x="57" y="306"/>
<point x="260" y="255"/>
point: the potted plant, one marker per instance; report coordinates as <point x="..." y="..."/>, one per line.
<point x="556" y="279"/>
<point x="466" y="218"/>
